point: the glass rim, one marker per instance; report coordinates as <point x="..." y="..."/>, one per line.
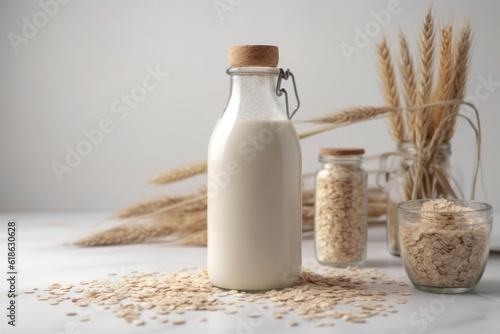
<point x="352" y="157"/>
<point x="411" y="145"/>
<point x="486" y="207"/>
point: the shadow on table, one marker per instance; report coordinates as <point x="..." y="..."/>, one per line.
<point x="383" y="263"/>
<point x="487" y="288"/>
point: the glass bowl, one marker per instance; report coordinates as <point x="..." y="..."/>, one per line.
<point x="444" y="251"/>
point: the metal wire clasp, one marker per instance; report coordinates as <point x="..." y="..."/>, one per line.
<point x="280" y="91"/>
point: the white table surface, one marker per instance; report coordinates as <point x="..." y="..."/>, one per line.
<point x="44" y="259"/>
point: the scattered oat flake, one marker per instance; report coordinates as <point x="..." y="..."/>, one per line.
<point x="70" y="314"/>
<point x="323" y="324"/>
<point x="292" y="323"/>
<point x="314" y="298"/>
<point x="202" y="319"/>
<point x="138" y="322"/>
<point x="400" y="300"/>
<point x="53" y="302"/>
<point x="356" y="320"/>
<point x="84" y="319"/>
<point x="29" y="292"/>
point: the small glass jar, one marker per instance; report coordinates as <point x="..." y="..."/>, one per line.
<point x="340" y="219"/>
<point x="400" y="172"/>
<point x="444" y="243"/>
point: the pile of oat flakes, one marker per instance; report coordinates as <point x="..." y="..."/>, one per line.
<point x="340" y="214"/>
<point x="171" y="294"/>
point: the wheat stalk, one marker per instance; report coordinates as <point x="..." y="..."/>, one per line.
<point x="345" y="117"/>
<point x="460" y="78"/>
<point x="307" y="218"/>
<point x="407" y="72"/>
<point x="200" y="204"/>
<point x="198" y="239"/>
<point x="422" y="117"/>
<point x="444" y="88"/>
<point x="408" y="78"/>
<point x="126" y="234"/>
<point x="180" y="173"/>
<point x="353" y="115"/>
<point x="308" y="196"/>
<point x="390" y="89"/>
<point x="149" y="206"/>
<point x="195" y="221"/>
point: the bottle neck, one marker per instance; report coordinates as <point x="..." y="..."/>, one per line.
<point x="253" y="93"/>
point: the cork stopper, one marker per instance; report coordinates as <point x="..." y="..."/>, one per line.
<point x="253" y="55"/>
<point x="341" y="151"/>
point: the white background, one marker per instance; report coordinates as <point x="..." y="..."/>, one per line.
<point x="64" y="79"/>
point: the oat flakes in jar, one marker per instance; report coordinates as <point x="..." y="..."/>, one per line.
<point x="341" y="208"/>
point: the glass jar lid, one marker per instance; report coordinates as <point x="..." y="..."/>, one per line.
<point x="337" y="151"/>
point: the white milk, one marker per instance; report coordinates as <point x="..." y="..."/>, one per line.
<point x="254" y="204"/>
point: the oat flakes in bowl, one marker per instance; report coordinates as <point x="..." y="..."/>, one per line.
<point x="444" y="243"/>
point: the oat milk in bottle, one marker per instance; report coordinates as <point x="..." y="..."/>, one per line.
<point x="254" y="180"/>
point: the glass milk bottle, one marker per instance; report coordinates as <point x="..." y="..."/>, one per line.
<point x="254" y="179"/>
